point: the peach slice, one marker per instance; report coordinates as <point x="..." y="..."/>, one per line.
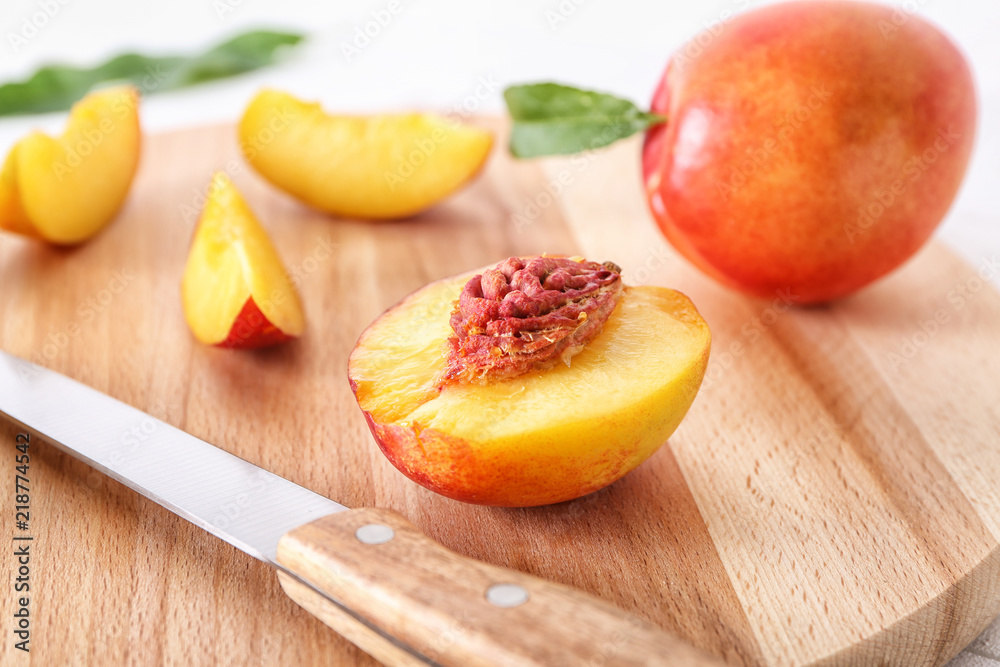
<point x="67" y="189"/>
<point x="538" y="438"/>
<point x="13" y="217"/>
<point x="369" y="167"/>
<point x="236" y="292"/>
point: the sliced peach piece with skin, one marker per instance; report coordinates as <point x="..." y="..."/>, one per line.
<point x="13" y="217"/>
<point x="539" y="438"/>
<point x="67" y="189"/>
<point x="236" y="292"/>
<point x="369" y="167"/>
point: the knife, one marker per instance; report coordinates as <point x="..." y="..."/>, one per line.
<point x="367" y="573"/>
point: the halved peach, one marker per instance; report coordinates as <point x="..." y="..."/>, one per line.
<point x="236" y="292"/>
<point x="369" y="167"/>
<point x="67" y="189"/>
<point x="538" y="438"/>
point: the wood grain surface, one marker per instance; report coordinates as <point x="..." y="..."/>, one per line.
<point x="833" y="497"/>
<point x="435" y="601"/>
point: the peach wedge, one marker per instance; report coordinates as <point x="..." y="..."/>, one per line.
<point x="542" y="437"/>
<point x="236" y="292"/>
<point x="67" y="189"/>
<point x="368" y="167"/>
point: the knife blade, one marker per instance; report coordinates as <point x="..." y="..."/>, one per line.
<point x="367" y="573"/>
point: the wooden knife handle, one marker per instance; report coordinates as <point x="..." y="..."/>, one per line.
<point x="454" y="610"/>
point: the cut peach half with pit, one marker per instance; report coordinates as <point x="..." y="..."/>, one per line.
<point x="236" y="292"/>
<point x="542" y="437"/>
<point x="67" y="189"/>
<point x="369" y="167"/>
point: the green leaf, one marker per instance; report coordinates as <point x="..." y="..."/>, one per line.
<point x="552" y="119"/>
<point x="57" y="87"/>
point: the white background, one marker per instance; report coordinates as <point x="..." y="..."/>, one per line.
<point x="435" y="54"/>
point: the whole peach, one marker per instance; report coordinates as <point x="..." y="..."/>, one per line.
<point x="811" y="147"/>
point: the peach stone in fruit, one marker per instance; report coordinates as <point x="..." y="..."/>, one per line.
<point x="527" y="315"/>
<point x="540" y="437"/>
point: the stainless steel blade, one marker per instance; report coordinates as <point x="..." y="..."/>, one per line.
<point x="233" y="499"/>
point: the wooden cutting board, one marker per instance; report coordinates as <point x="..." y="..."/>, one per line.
<point x="833" y="497"/>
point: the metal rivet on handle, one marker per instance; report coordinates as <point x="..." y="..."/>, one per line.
<point x="507" y="595"/>
<point x="374" y="533"/>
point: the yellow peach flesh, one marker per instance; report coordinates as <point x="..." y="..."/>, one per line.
<point x="232" y="260"/>
<point x="68" y="188"/>
<point x="541" y="437"/>
<point x="369" y="167"/>
<point x="13" y="217"/>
